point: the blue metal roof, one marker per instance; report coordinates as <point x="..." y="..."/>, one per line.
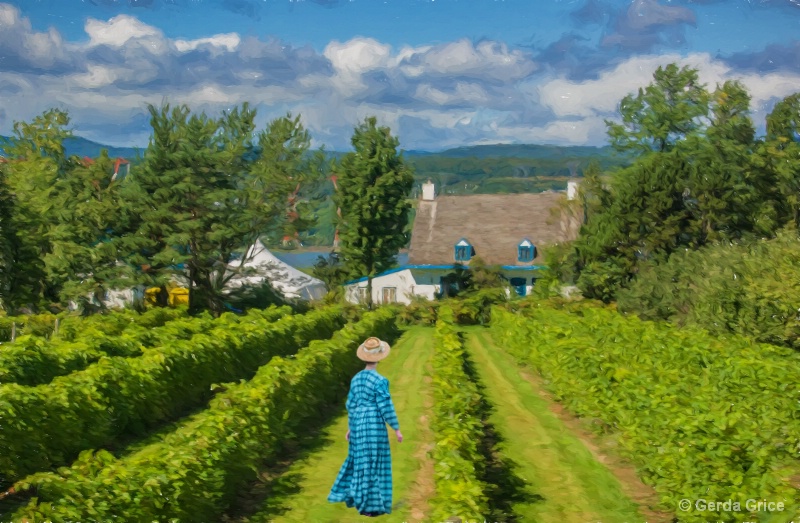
<point x="444" y="267"/>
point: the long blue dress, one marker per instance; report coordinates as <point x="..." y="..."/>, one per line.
<point x="365" y="479"/>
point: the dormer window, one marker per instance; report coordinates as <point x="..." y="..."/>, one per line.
<point x="526" y="251"/>
<point x="463" y="250"/>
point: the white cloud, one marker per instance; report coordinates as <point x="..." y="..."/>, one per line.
<point x="19" y="42"/>
<point x="486" y="60"/>
<point x="9" y="15"/>
<point x="464" y="93"/>
<point x="455" y="93"/>
<point x="228" y="41"/>
<point x="602" y="96"/>
<point x="97" y="76"/>
<point x="352" y="59"/>
<point x="357" y="55"/>
<point x="120" y="30"/>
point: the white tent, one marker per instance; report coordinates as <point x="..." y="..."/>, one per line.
<point x="290" y="282"/>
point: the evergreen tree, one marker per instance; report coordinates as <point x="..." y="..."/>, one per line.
<point x="7" y="241"/>
<point x="205" y="193"/>
<point x="37" y="162"/>
<point x="374" y="183"/>
<point x="82" y="261"/>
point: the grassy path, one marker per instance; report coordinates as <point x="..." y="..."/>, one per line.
<point x="566" y="483"/>
<point x="300" y="493"/>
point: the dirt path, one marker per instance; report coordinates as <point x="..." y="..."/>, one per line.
<point x="299" y="494"/>
<point x="566" y="483"/>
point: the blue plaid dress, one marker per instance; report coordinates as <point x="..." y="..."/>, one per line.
<point x="365" y="479"/>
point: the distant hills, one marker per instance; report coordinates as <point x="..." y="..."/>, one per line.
<point x="529" y="151"/>
<point x="83" y="147"/>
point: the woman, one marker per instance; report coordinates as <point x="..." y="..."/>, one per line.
<point x="365" y="479"/>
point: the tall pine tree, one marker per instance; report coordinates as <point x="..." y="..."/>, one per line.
<point x="206" y="193"/>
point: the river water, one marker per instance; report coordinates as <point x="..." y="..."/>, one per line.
<point x="308" y="259"/>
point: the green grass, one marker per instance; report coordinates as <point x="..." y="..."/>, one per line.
<point x="565" y="482"/>
<point x="299" y="494"/>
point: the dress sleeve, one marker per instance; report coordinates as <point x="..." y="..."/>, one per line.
<point x="386" y="406"/>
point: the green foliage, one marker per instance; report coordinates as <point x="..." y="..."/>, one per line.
<point x="668" y="110"/>
<point x="197" y="470"/>
<point x="33" y="360"/>
<point x="779" y="158"/>
<point x="39" y="325"/>
<point x="481" y="276"/>
<point x="475" y="308"/>
<point x="457" y="426"/>
<point x="699" y="177"/>
<point x="699" y="416"/>
<point x="742" y="288"/>
<point x="330" y="270"/>
<point x="421" y="311"/>
<point x="8" y="240"/>
<point x="118" y="395"/>
<point x="560" y="260"/>
<point x="206" y="192"/>
<point x="38" y="165"/>
<point x="374" y="183"/>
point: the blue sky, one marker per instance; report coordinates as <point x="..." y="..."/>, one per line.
<point x="440" y="73"/>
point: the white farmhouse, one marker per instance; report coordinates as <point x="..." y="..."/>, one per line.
<point x="506" y="230"/>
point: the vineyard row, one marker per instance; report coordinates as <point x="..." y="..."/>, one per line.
<point x="194" y="473"/>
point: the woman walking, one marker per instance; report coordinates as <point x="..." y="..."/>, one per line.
<point x="365" y="479"/>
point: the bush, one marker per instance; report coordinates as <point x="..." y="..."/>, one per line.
<point x="748" y="289"/>
<point x="421" y="311"/>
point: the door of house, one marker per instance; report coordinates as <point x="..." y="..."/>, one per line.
<point x="389" y="294"/>
<point x="519" y="285"/>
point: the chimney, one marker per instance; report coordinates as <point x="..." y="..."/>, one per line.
<point x="428" y="193"/>
<point x="572" y="190"/>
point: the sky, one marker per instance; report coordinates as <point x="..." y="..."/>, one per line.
<point x="439" y="73"/>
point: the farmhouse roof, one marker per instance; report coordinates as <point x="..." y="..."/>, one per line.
<point x="494" y="225"/>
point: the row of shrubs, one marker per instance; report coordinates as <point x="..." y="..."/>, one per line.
<point x="48" y="425"/>
<point x="68" y="326"/>
<point x="458" y="427"/>
<point x="194" y="473"/>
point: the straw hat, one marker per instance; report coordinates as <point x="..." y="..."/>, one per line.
<point x="373" y="350"/>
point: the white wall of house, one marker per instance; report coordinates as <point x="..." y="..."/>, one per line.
<point x="396" y="287"/>
<point x="115" y="298"/>
<point x="400" y="286"/>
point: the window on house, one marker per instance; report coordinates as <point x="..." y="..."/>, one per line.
<point x="389" y="294"/>
<point x="526" y="251"/>
<point x="362" y="293"/>
<point x="463" y="250"/>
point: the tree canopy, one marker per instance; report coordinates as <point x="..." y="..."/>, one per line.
<point x="700" y="176"/>
<point x="206" y="190"/>
<point x="374" y="184"/>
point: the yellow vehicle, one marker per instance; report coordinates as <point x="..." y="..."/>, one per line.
<point x="178" y="296"/>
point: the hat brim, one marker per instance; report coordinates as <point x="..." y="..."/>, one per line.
<point x="373" y="357"/>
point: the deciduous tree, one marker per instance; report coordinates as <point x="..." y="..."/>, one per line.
<point x="374" y="183"/>
<point x="665" y="112"/>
